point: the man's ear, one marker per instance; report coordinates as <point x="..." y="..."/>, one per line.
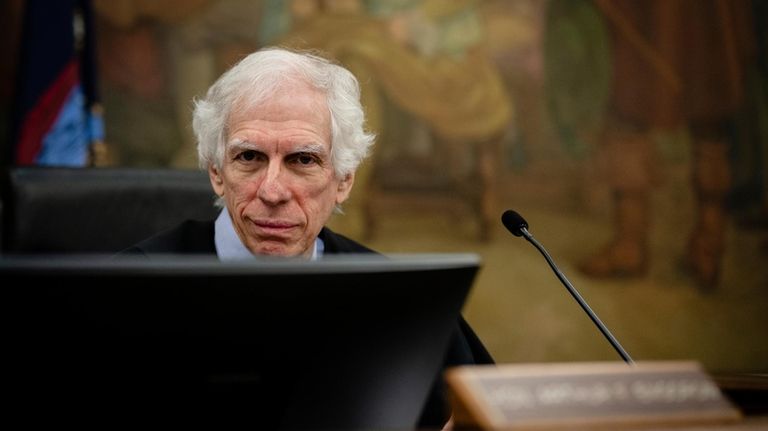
<point x="216" y="180"/>
<point x="344" y="188"/>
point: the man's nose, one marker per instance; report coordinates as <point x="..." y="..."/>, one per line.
<point x="273" y="189"/>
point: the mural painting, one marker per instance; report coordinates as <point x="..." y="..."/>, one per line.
<point x="632" y="135"/>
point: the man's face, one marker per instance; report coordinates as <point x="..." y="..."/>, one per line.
<point x="277" y="178"/>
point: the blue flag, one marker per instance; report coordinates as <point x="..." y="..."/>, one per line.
<point x="58" y="118"/>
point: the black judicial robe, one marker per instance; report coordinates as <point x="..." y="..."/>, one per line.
<point x="197" y="237"/>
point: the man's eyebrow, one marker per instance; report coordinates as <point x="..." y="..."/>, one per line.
<point x="241" y="144"/>
<point x="312" y="148"/>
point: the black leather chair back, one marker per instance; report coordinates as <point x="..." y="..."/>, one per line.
<point x="97" y="210"/>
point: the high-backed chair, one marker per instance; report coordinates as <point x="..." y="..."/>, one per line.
<point x="96" y="210"/>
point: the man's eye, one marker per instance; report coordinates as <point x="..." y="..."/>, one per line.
<point x="305" y="159"/>
<point x="248" y="155"/>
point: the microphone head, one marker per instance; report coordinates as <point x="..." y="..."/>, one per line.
<point x="514" y="222"/>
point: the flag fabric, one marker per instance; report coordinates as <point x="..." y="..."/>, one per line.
<point x="58" y="117"/>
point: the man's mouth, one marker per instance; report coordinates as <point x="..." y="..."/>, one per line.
<point x="274" y="227"/>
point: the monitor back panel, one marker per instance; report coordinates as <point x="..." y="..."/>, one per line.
<point x="295" y="347"/>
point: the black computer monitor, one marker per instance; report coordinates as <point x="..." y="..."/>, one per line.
<point x="348" y="342"/>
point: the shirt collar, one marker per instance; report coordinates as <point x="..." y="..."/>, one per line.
<point x="230" y="248"/>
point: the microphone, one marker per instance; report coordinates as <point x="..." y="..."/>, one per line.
<point x="517" y="225"/>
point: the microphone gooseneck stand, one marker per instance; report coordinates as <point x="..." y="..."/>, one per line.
<point x="519" y="227"/>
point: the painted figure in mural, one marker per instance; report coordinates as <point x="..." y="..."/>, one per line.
<point x="422" y="56"/>
<point x="675" y="64"/>
<point x="169" y="51"/>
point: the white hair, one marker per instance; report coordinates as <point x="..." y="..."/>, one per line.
<point x="255" y="78"/>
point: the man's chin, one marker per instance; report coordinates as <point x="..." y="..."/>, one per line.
<point x="277" y="250"/>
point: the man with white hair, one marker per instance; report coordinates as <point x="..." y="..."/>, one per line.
<point x="281" y="134"/>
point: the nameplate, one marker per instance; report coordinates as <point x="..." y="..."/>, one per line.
<point x="585" y="395"/>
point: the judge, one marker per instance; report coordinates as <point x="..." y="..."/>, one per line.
<point x="281" y="135"/>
